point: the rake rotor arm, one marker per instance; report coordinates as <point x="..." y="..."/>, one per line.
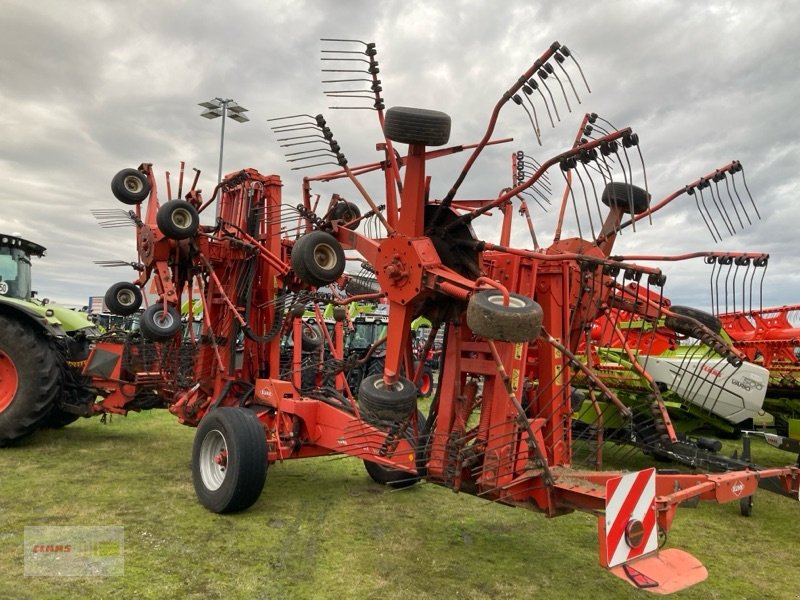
<point x="563" y="208"/>
<point x="493" y="119"/>
<point x="571" y="153"/>
<point x="719" y="174"/>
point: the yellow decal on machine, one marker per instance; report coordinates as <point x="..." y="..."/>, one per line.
<point x="515" y="379"/>
<point x="558" y="375"/>
<point x="517" y="351"/>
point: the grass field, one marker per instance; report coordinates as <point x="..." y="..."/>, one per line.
<point x="323" y="529"/>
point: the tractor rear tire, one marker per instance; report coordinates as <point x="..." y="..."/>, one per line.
<point x="178" y="219"/>
<point x="123" y="298"/>
<point x="130" y="186"/>
<point x="520" y="321"/>
<point x="376" y="402"/>
<point x="30" y="378"/>
<point x="681" y="326"/>
<point x="397" y="478"/>
<point x="229" y="459"/>
<point x="158" y="326"/>
<point x="345" y="212"/>
<point x="57" y="419"/>
<point x="630" y="198"/>
<point x="417" y="126"/>
<point x="318" y="258"/>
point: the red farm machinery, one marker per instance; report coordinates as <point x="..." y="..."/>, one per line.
<point x="512" y="320"/>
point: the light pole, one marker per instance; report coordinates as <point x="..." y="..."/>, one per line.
<point x="223" y="108"/>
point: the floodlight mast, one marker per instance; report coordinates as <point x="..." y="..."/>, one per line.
<point x="223" y="108"/>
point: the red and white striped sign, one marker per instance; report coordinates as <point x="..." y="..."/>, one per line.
<point x="630" y="499"/>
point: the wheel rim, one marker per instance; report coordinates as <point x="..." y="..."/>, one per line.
<point x="163" y="320"/>
<point x="213" y="460"/>
<point x="425" y="384"/>
<point x="325" y="257"/>
<point x="9" y="381"/>
<point x="513" y="302"/>
<point x="133" y="184"/>
<point x="181" y="218"/>
<point x="126" y="297"/>
<point x="397" y="386"/>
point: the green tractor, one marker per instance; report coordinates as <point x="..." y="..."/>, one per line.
<point x="43" y="348"/>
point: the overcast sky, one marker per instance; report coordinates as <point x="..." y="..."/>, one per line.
<point x="89" y="88"/>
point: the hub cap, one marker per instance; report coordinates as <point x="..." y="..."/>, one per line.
<point x="213" y="460"/>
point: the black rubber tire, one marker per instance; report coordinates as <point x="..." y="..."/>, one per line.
<point x="130" y="186"/>
<point x="629" y="198"/>
<point x="520" y="321"/>
<point x="417" y="126"/>
<point x="345" y="212"/>
<point x="683" y="327"/>
<point x="57" y="419"/>
<point x="377" y="403"/>
<point x="238" y="484"/>
<point x="746" y="506"/>
<point x="318" y="258"/>
<point x="36" y="370"/>
<point x="123" y="298"/>
<point x="158" y="327"/>
<point x="354" y="378"/>
<point x="426" y="386"/>
<point x="395" y="478"/>
<point x="781" y="425"/>
<point x="310" y="337"/>
<point x="375" y="366"/>
<point x="178" y="219"/>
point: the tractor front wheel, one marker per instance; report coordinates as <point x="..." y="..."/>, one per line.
<point x="29" y="379"/>
<point x="520" y="321"/>
<point x="229" y="459"/>
<point x="425" y="384"/>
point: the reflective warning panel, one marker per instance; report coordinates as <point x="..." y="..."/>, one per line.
<point x="630" y="519"/>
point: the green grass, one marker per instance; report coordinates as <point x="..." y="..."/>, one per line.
<point x="323" y="529"/>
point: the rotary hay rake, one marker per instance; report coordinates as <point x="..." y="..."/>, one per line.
<point x="500" y="424"/>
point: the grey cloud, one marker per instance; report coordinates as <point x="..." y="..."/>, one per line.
<point x="93" y="87"/>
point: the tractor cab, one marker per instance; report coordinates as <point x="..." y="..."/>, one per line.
<point x="15" y="266"/>
<point x="367" y="329"/>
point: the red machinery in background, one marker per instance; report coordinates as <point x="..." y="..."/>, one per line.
<point x="499" y="425"/>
